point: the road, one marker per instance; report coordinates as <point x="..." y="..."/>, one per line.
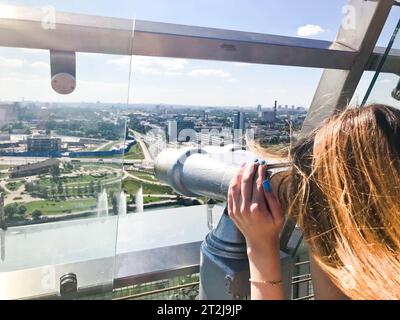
<point x="139" y="139"/>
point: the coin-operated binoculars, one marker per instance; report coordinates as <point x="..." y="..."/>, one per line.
<point x="224" y="268"/>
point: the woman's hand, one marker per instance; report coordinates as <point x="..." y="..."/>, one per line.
<point x="257" y="213"/>
<point x="254" y="208"/>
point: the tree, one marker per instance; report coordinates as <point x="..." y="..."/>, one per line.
<point x="80" y="190"/>
<point x="98" y="187"/>
<point x="36" y="214"/>
<point x="91" y="187"/>
<point x="66" y="190"/>
<point x="55" y="172"/>
<point x="11" y="210"/>
<point x="60" y="188"/>
<point x="22" y="210"/>
<point x="44" y="193"/>
<point x="29" y="187"/>
<point x="86" y="189"/>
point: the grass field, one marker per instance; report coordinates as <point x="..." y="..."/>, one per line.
<point x="145" y="176"/>
<point x="151" y="199"/>
<point x="4" y="175"/>
<point x="48" y="207"/>
<point x="135" y="153"/>
<point x="108" y="146"/>
<point x="131" y="186"/>
<point x="14" y="185"/>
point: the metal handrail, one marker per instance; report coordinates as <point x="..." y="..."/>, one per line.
<point x="96" y="34"/>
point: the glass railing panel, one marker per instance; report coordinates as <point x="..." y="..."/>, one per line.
<point x="386" y="80"/>
<point x="163" y="228"/>
<point x="63" y="140"/>
<point x="385" y="87"/>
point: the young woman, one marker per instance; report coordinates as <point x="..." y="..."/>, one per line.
<point x="344" y="191"/>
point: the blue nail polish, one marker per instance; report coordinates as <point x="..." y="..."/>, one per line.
<point x="255" y="161"/>
<point x="267" y="186"/>
<point x="263" y="162"/>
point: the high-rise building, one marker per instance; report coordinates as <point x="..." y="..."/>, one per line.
<point x="259" y="111"/>
<point x="205" y="115"/>
<point x="239" y="121"/>
<point x="269" y="116"/>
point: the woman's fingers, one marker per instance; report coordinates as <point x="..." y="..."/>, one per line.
<point x="258" y="190"/>
<point x="247" y="185"/>
<point x="230" y="203"/>
<point x="234" y="194"/>
<point x="273" y="203"/>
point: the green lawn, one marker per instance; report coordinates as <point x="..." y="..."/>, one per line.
<point x="14" y="185"/>
<point x="4" y="166"/>
<point x="131" y="186"/>
<point x="135" y="153"/>
<point x="108" y="146"/>
<point x="145" y="176"/>
<point x="152" y="199"/>
<point x="4" y="175"/>
<point x="48" y="207"/>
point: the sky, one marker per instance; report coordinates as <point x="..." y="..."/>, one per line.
<point x="25" y="74"/>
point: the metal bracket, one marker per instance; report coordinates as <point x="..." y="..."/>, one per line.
<point x="63" y="71"/>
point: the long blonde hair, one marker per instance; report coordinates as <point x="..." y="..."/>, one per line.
<point x="346" y="197"/>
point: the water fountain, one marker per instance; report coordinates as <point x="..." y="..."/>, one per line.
<point x="122" y="205"/>
<point x="102" y="204"/>
<point x="139" y="200"/>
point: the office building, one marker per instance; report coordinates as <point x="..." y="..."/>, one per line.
<point x="43" y="144"/>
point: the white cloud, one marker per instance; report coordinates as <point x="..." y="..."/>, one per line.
<point x="40" y="65"/>
<point x="309" y="30"/>
<point x="152" y="66"/>
<point x="209" y="73"/>
<point x="11" y="63"/>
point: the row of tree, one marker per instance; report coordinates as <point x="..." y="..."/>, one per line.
<point x="60" y="189"/>
<point x="16" y="211"/>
